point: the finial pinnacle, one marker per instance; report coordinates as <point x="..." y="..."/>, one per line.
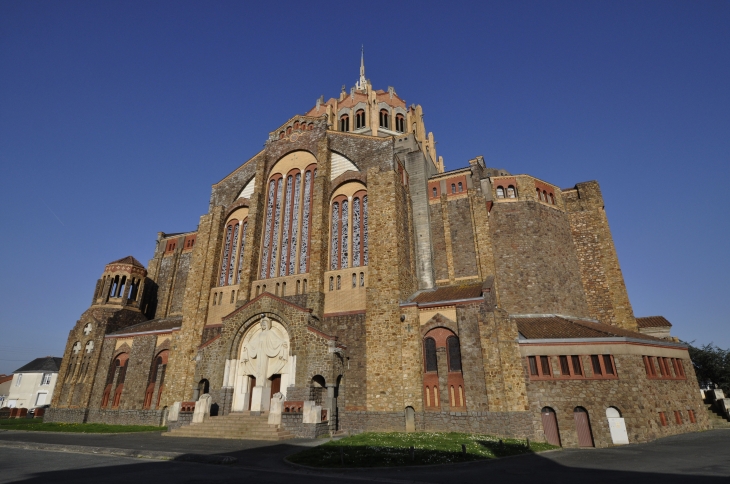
<point x="361" y="84"/>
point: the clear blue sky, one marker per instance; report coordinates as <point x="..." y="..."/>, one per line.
<point x="116" y="117"/>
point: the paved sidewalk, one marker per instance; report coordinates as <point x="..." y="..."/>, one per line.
<point x="700" y="458"/>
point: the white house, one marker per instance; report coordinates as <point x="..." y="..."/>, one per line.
<point x="32" y="385"/>
<point x="5" y="381"/>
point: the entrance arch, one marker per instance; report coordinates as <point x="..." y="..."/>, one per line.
<point x="550" y="426"/>
<point x="617" y="426"/>
<point x="264" y="362"/>
<point x="583" y="427"/>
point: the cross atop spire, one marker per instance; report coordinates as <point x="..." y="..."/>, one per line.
<point x="360" y="85"/>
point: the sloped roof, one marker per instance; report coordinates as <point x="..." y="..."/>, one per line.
<point x="45" y="364"/>
<point x="449" y="293"/>
<point x="653" y="322"/>
<point x="128" y="260"/>
<point x="154" y="325"/>
<point x="551" y="326"/>
<point x="4" y="378"/>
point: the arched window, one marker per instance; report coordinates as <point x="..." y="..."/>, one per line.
<point x="453" y="188"/>
<point x="454" y="353"/>
<point x="500" y="192"/>
<point x="281" y="135"/>
<point x="511" y="192"/>
<point x="360" y="118"/>
<point x="287" y="220"/>
<point x="461" y="187"/>
<point x="115" y="381"/>
<point x="435" y="192"/>
<point x="384" y="118"/>
<point x="228" y="260"/>
<point x="400" y="123"/>
<point x="344" y="122"/>
<point x="429" y="351"/>
<point x="156" y="380"/>
<point x="552" y="199"/>
<point x="349" y="229"/>
<point x="335" y="237"/>
<point x="544" y="196"/>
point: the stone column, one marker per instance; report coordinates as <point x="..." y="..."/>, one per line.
<point x="443" y="366"/>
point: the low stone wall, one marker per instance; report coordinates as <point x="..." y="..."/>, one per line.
<point x="361" y="421"/>
<point x="65" y="415"/>
<point x="111" y="417"/>
<point x="183" y="419"/>
<point x="126" y="417"/>
<point x="292" y="422"/>
<point x="502" y="424"/>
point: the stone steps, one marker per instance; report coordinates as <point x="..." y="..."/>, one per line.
<point x="233" y="426"/>
<point x="717" y="420"/>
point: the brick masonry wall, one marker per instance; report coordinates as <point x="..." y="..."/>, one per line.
<point x="638" y="398"/>
<point x="138" y="371"/>
<point x="601" y="275"/>
<point x="387" y="288"/>
<point x="537" y="269"/>
<point x="76" y="390"/>
<point x="462" y="238"/>
<point x="201" y="278"/>
<point x="349" y="330"/>
<point x="438" y="237"/>
<point x="475" y="391"/>
<point x="504" y="376"/>
<point x="178" y="287"/>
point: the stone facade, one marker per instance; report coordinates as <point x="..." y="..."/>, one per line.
<point x="344" y="268"/>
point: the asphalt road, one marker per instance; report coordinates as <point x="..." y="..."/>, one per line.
<point x="702" y="458"/>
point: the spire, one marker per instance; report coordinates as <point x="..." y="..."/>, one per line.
<point x="362" y="62"/>
<point x="360" y="85"/>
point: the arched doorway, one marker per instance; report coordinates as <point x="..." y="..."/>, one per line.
<point x="550" y="426"/>
<point x="617" y="426"/>
<point x="410" y="419"/>
<point x="583" y="427"/>
<point x="264" y="366"/>
<point x="203" y="387"/>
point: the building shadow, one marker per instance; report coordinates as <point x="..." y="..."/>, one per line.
<point x="265" y="464"/>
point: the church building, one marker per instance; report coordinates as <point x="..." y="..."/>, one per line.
<point x="343" y="281"/>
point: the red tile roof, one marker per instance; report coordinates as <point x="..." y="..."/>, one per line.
<point x="449" y="293"/>
<point x="557" y="327"/>
<point x="653" y="322"/>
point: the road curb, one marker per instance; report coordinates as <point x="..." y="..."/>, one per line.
<point x="138" y="454"/>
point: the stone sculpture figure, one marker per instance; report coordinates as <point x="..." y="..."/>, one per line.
<point x="266" y="353"/>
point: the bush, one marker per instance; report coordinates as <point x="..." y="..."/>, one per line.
<point x="712" y="366"/>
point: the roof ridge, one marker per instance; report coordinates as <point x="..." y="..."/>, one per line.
<point x="128" y="260"/>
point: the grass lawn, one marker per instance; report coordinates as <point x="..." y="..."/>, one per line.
<point x="91" y="428"/>
<point x="393" y="449"/>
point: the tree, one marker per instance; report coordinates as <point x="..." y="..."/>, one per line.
<point x="712" y="366"/>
